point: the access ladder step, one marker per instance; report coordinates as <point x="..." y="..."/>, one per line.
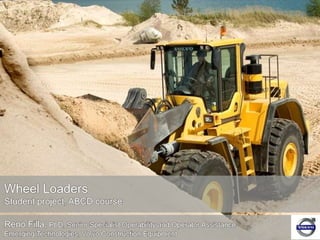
<point x="249" y="182"/>
<point x="246" y="145"/>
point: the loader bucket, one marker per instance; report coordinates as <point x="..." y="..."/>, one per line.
<point x="135" y="103"/>
<point x="154" y="128"/>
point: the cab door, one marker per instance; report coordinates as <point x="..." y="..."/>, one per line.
<point x="227" y="60"/>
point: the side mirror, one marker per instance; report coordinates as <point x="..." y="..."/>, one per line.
<point x="153" y="58"/>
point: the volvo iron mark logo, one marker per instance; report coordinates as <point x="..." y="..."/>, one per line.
<point x="306" y="227"/>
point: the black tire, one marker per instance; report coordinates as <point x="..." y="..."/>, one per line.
<point x="203" y="174"/>
<point x="286" y="158"/>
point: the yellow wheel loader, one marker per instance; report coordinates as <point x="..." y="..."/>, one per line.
<point x="220" y="123"/>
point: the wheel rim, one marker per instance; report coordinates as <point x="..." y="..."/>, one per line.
<point x="213" y="196"/>
<point x="290" y="160"/>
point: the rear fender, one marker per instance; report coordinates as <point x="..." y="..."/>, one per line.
<point x="287" y="108"/>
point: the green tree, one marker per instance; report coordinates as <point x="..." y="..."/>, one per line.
<point x="148" y="8"/>
<point x="131" y="18"/>
<point x="181" y="7"/>
<point x="313" y="8"/>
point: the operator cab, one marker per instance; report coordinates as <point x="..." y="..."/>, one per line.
<point x="203" y="71"/>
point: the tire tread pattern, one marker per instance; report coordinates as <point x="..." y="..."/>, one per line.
<point x="188" y="163"/>
<point x="279" y="128"/>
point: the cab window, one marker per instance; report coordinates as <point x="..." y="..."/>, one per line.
<point x="228" y="75"/>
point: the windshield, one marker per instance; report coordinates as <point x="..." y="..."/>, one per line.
<point x="189" y="71"/>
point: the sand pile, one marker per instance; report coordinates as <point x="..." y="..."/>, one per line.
<point x="30" y="15"/>
<point x="172" y="28"/>
<point x="26" y="15"/>
<point x="96" y="15"/>
<point x="107" y="121"/>
<point x="37" y="137"/>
